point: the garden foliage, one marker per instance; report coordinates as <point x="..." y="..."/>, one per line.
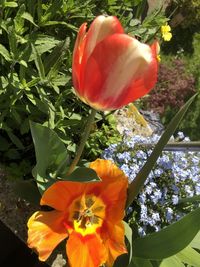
<point x="36" y="43"/>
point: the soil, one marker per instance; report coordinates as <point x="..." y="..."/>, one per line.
<point x="14" y="212"/>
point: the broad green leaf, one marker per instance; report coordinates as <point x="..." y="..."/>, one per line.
<point x="81" y="174"/>
<point x="50" y="153"/>
<point x="189" y="256"/>
<point x="196" y="241"/>
<point x="189" y="199"/>
<point x="172" y="262"/>
<point x="128" y="234"/>
<point x="122" y="260"/>
<point x="28" y="191"/>
<point x="140" y="262"/>
<point x="139" y="180"/>
<point x="169" y="240"/>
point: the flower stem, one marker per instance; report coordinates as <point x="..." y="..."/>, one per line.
<point x="83" y="141"/>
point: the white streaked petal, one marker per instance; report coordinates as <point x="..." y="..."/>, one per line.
<point x="100" y="28"/>
<point x="127" y="67"/>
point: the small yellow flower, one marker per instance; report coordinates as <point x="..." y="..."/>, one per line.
<point x="158" y="58"/>
<point x="166" y="32"/>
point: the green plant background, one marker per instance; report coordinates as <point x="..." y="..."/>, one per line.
<point x="36" y="44"/>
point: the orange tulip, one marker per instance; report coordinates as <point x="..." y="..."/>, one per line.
<point x="110" y="68"/>
<point x="89" y="214"/>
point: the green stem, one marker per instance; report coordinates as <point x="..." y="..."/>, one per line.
<point x="83" y="141"/>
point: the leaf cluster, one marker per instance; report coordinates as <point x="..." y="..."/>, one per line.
<point x="37" y="40"/>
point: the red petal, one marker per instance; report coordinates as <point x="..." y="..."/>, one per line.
<point x="119" y="70"/>
<point x="139" y="87"/>
<point x="100" y="28"/>
<point x="78" y="54"/>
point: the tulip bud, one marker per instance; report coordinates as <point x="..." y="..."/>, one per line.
<point x="110" y="68"/>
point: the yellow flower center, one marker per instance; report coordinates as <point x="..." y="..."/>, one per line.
<point x="87" y="213"/>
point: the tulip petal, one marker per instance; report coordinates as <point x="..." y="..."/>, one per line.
<point x="112" y="190"/>
<point x="60" y="194"/>
<point x="108" y="171"/>
<point x="139" y="87"/>
<point x="45" y="232"/>
<point x="78" y="54"/>
<point x="113" y="234"/>
<point x="85" y="251"/>
<point x="119" y="63"/>
<point x="101" y="28"/>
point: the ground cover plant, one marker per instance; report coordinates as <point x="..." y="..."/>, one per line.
<point x="174" y="177"/>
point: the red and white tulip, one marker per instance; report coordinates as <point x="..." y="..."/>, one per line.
<point x="111" y="68"/>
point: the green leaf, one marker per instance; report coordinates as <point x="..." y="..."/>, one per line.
<point x="82" y="174"/>
<point x="43" y="43"/>
<point x="28" y="17"/>
<point x="172" y="262"/>
<point x="58" y="52"/>
<point x="10" y="4"/>
<point x="38" y="103"/>
<point x="38" y="63"/>
<point x="122" y="260"/>
<point x="4" y="145"/>
<point x="139" y="262"/>
<point x="50" y="153"/>
<point x="15" y="140"/>
<point x="129" y="236"/>
<point x="196" y="241"/>
<point x="5" y="53"/>
<point x="189" y="199"/>
<point x="178" y="235"/>
<point x="139" y="180"/>
<point x="28" y="191"/>
<point x="189" y="256"/>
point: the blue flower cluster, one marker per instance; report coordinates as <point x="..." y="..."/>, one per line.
<point x="175" y="176"/>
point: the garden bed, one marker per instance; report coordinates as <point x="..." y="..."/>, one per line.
<point x="14" y="213"/>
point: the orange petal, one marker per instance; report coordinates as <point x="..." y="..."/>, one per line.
<point x="108" y="171"/>
<point x="112" y="190"/>
<point x="45" y="232"/>
<point x="61" y="194"/>
<point x="85" y="251"/>
<point x="113" y="234"/>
